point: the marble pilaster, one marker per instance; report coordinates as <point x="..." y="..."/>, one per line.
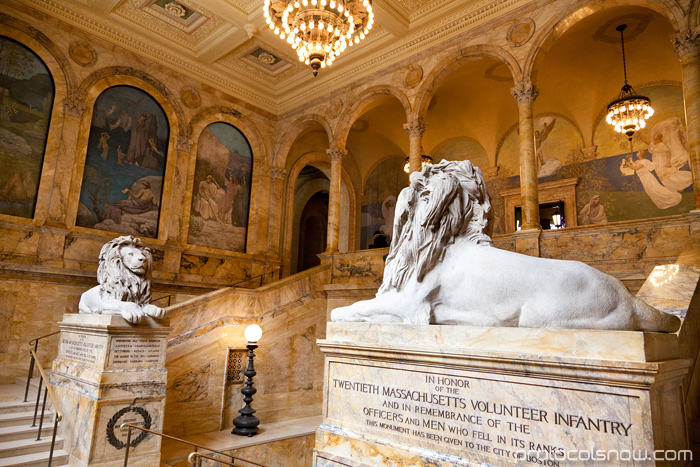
<point x="415" y="130"/>
<point x="333" y="238"/>
<point x="525" y="93"/>
<point x="275" y="229"/>
<point x="687" y="46"/>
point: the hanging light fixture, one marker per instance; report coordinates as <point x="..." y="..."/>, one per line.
<point x="319" y="30"/>
<point x="424" y="160"/>
<point x="630" y="111"/>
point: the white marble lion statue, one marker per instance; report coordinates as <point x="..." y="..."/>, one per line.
<point x="124" y="275"/>
<point x="443" y="269"/>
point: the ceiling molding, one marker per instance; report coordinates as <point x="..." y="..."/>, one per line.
<point x="207" y="53"/>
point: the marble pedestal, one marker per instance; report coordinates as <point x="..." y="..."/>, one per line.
<point x="403" y="395"/>
<point x="110" y="372"/>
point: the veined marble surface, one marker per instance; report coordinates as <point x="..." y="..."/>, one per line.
<point x="607" y="345"/>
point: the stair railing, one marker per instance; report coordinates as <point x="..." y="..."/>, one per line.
<point x="196" y="455"/>
<point x="34" y="342"/>
<point x="48" y="393"/>
<point x="195" y="458"/>
<point x="259" y="276"/>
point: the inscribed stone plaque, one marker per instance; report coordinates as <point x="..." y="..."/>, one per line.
<point x="135" y="352"/>
<point x="83" y="348"/>
<point x="480" y="416"/>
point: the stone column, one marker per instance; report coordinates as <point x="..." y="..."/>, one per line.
<point x="415" y="130"/>
<point x="687" y="45"/>
<point x="525" y="94"/>
<point x="333" y="238"/>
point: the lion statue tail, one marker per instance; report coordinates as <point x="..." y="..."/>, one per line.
<point x="648" y="318"/>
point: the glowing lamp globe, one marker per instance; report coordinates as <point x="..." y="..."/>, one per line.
<point x="253" y="333"/>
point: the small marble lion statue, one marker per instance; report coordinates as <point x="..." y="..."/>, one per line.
<point x="443" y="269"/>
<point x="124" y="274"/>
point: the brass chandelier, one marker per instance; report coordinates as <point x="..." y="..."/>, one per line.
<point x="319" y="30"/>
<point x="630" y="111"/>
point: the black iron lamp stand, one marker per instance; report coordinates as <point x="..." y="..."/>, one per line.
<point x="246" y="424"/>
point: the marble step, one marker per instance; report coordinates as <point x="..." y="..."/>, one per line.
<point x="12" y="433"/>
<point x="39" y="459"/>
<point x="22" y="447"/>
<point x="23" y="418"/>
<point x="14" y="407"/>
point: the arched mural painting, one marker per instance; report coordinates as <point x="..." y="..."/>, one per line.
<point x="614" y="184"/>
<point x="26" y="100"/>
<point x="221" y="190"/>
<point x="126" y="153"/>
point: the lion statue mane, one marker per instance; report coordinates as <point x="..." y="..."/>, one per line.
<point x="442" y="268"/>
<point x="124" y="276"/>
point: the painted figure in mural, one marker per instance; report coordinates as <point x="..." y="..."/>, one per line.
<point x="205" y="204"/>
<point x="540" y="137"/>
<point x="593" y="213"/>
<point x="18" y="189"/>
<point x="662" y="197"/>
<point x="232" y="189"/>
<point x="139" y="203"/>
<point x="388" y="210"/>
<point x="140" y="150"/>
<point x="103" y="144"/>
<point x="668" y="144"/>
<point x="240" y="204"/>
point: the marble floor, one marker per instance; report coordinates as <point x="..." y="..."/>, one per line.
<point x="224" y="441"/>
<point x="11" y="393"/>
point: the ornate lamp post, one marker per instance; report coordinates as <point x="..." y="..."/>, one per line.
<point x="246" y="424"/>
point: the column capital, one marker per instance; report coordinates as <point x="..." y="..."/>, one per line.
<point x="524" y="91"/>
<point x="415" y="128"/>
<point x="336" y="154"/>
<point x="278" y="174"/>
<point x="74" y="107"/>
<point x="686" y="43"/>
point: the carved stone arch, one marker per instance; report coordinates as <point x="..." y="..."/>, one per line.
<point x="53" y="188"/>
<point x="197" y="125"/>
<point x="351" y="114"/>
<point x="178" y="117"/>
<point x="9" y="23"/>
<point x="229" y="115"/>
<point x="318" y="160"/>
<point x="555" y="28"/>
<point x="442" y="144"/>
<point x="694" y="15"/>
<point x="291" y="134"/>
<point x="374" y="166"/>
<point x="445" y="68"/>
<point x="89" y="97"/>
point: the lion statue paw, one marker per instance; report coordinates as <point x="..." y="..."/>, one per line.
<point x="124" y="276"/>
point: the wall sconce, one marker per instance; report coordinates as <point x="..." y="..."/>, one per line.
<point x="246" y="424"/>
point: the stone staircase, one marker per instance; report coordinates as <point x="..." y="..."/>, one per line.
<point x="18" y="445"/>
